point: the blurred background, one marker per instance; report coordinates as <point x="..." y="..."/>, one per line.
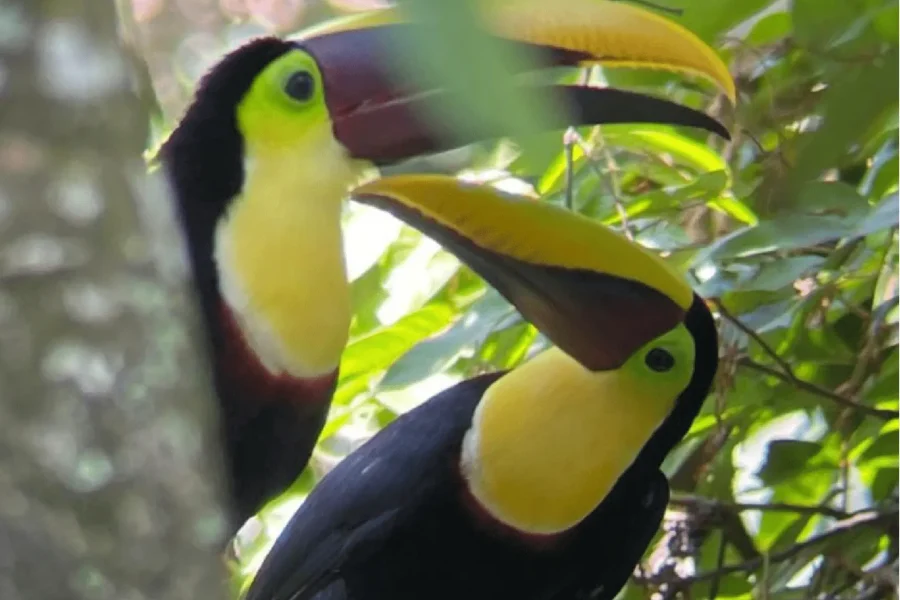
<point x="790" y="230"/>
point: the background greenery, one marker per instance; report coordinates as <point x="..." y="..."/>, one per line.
<point x="786" y="486"/>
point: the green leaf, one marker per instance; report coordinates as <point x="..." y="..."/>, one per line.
<point x="662" y="139"/>
<point x="855" y="100"/>
<point x="820" y="24"/>
<point x="377" y="350"/>
<point x="804" y="230"/>
<point x="778" y="274"/>
<point x="507" y="347"/>
<point x="786" y="459"/>
<point x="433" y="355"/>
<point x="733" y="207"/>
<point x="886" y="22"/>
<point x="797" y="231"/>
<point x="881" y="178"/>
<point x="770" y="29"/>
<point x="830" y="197"/>
<point x="883" y="216"/>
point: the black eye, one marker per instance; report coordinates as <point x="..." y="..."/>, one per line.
<point x="300" y="86"/>
<point x="659" y="360"/>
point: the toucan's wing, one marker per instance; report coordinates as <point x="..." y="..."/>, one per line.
<point x="365" y="496"/>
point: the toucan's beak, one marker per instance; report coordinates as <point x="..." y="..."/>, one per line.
<point x="596" y="295"/>
<point x="380" y="118"/>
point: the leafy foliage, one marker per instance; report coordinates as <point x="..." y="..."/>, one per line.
<point x="786" y="486"/>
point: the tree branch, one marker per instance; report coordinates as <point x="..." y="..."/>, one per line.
<point x="786" y="373"/>
<point x="720" y="560"/>
<point x="611" y="183"/>
<point x="812" y="388"/>
<point x="852" y="524"/>
<point x="770" y="352"/>
<point x="689" y="501"/>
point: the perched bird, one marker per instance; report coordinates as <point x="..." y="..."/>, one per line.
<point x="276" y="135"/>
<point x="542" y="482"/>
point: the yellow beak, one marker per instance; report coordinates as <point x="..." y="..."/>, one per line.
<point x="596" y="295"/>
<point x="576" y="32"/>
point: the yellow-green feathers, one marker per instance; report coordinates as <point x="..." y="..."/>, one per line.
<point x="279" y="248"/>
<point x="550" y="439"/>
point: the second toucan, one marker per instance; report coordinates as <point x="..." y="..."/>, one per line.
<point x="278" y="133"/>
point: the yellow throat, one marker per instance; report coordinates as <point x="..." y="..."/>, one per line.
<point x="550" y="439"/>
<point x="279" y="251"/>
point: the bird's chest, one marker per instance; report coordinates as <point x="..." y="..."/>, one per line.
<point x="251" y="388"/>
<point x="281" y="270"/>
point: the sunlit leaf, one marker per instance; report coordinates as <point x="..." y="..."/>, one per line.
<point x="666" y="140"/>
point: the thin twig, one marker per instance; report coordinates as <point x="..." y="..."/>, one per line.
<point x="726" y="314"/>
<point x="800" y="509"/>
<point x="570" y="138"/>
<point x="874" y="330"/>
<point x="610" y="183"/>
<point x="720" y="560"/>
<point x="568" y="151"/>
<point x="845" y="473"/>
<point x="786" y="373"/>
<point x="854" y="523"/>
<point x="812" y="388"/>
<point x="612" y="168"/>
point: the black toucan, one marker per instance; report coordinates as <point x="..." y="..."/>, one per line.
<point x="538" y="483"/>
<point x="279" y="131"/>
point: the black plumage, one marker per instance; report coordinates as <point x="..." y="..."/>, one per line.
<point x="269" y="423"/>
<point x="395" y="521"/>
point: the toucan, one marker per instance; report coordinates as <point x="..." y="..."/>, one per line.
<point x="277" y="134"/>
<point x="538" y="483"/>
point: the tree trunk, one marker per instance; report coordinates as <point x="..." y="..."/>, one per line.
<point x="109" y="474"/>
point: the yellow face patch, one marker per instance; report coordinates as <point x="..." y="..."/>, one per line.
<point x="550" y="439"/>
<point x="279" y="249"/>
<point x="274" y="114"/>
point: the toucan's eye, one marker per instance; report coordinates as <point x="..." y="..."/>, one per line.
<point x="659" y="360"/>
<point x="300" y="86"/>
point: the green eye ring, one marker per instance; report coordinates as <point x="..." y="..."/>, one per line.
<point x="300" y="86"/>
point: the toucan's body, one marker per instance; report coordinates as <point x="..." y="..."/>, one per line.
<point x="403" y="526"/>
<point x="270" y="419"/>
<point x="538" y="483"/>
<point x="277" y="135"/>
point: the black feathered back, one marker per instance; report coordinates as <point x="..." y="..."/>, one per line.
<point x="204" y="158"/>
<point x="204" y="154"/>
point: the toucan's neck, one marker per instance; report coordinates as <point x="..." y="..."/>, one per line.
<point x="279" y="255"/>
<point x="550" y="439"/>
<point x="700" y="323"/>
<point x="203" y="159"/>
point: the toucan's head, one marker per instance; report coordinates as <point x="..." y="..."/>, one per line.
<point x="336" y="85"/>
<point x="279" y="131"/>
<point x="636" y="349"/>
